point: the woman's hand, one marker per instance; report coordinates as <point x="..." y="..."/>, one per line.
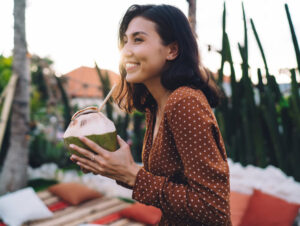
<point x="118" y="165"/>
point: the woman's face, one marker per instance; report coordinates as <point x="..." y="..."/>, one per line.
<point x="143" y="54"/>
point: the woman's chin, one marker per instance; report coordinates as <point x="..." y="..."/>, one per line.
<point x="132" y="79"/>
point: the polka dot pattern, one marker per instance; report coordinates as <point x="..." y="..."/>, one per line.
<point x="185" y="171"/>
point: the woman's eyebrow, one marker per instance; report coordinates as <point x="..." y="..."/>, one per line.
<point x="137" y="33"/>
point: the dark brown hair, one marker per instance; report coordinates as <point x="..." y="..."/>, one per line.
<point x="185" y="70"/>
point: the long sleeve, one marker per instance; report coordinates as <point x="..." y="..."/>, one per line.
<point x="204" y="197"/>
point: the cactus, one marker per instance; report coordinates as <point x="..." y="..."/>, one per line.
<point x="250" y="112"/>
<point x="222" y="112"/>
<point x="294" y="37"/>
<point x="223" y="52"/>
<point x="244" y="49"/>
<point x="263" y="133"/>
<point x="260" y="84"/>
<point x="260" y="47"/>
<point x="271" y="79"/>
<point x="295" y="130"/>
<point x="295" y="98"/>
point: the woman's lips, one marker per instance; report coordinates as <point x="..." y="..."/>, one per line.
<point x="131" y="66"/>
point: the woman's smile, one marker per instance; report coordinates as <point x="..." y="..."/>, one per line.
<point x="131" y="67"/>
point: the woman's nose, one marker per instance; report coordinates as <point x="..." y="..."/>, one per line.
<point x="126" y="51"/>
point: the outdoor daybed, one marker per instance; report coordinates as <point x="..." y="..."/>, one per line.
<point x="261" y="197"/>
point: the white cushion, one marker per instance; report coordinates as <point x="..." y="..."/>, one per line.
<point x="21" y="206"/>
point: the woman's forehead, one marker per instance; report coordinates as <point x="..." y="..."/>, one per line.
<point x="140" y="25"/>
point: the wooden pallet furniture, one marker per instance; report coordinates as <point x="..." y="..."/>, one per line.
<point x="7" y="95"/>
<point x="88" y="212"/>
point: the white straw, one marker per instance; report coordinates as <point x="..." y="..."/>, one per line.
<point x="107" y="97"/>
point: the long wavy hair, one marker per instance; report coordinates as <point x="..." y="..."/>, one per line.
<point x="185" y="70"/>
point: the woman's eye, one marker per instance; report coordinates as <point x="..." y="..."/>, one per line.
<point x="138" y="40"/>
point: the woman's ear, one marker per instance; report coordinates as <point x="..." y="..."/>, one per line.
<point x="173" y="51"/>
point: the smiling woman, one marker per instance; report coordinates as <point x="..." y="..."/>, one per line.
<point x="144" y="53"/>
<point x="185" y="171"/>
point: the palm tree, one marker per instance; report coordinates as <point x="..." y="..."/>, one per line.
<point x="14" y="172"/>
<point x="192" y="14"/>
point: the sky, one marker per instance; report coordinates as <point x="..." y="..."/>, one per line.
<point x="76" y="33"/>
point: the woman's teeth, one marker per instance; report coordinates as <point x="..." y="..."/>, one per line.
<point x="129" y="66"/>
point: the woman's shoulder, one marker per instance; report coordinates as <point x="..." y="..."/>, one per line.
<point x="186" y="93"/>
<point x="185" y="100"/>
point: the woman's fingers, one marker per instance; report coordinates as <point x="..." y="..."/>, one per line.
<point x="85" y="161"/>
<point x="86" y="168"/>
<point x="91" y="162"/>
<point x="85" y="171"/>
<point x="111" y="164"/>
<point x="122" y="142"/>
<point x="82" y="151"/>
<point x="95" y="147"/>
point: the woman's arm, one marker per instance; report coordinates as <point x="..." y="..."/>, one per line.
<point x="205" y="197"/>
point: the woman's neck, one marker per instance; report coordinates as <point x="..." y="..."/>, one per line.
<point x="159" y="93"/>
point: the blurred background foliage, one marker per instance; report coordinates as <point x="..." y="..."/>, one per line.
<point x="5" y="71"/>
<point x="265" y="130"/>
<point x="260" y="125"/>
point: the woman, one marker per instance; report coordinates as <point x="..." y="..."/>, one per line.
<point x="185" y="171"/>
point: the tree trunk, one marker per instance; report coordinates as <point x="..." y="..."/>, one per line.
<point x="192" y="15"/>
<point x="14" y="171"/>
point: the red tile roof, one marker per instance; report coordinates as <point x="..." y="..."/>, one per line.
<point x="85" y="82"/>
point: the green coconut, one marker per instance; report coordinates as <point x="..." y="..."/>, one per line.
<point x="95" y="126"/>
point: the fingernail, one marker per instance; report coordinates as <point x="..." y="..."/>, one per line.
<point x="71" y="145"/>
<point x="78" y="163"/>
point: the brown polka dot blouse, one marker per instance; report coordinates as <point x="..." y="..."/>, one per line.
<point x="185" y="171"/>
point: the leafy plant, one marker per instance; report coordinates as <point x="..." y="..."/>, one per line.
<point x="43" y="151"/>
<point x="5" y="71"/>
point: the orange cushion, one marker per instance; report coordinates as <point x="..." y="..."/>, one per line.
<point x="142" y="213"/>
<point x="268" y="210"/>
<point x="74" y="193"/>
<point x="238" y="205"/>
